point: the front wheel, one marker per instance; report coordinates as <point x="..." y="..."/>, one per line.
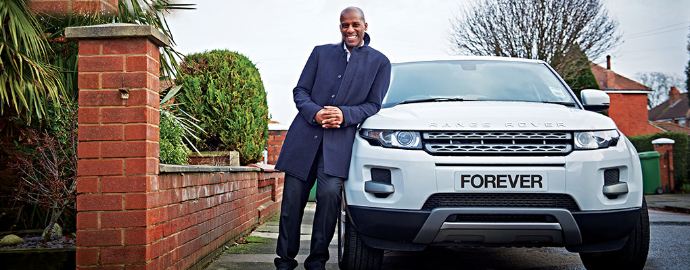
<point x="633" y="255"/>
<point x="353" y="254"/>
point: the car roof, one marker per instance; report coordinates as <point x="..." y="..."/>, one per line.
<point x="470" y="58"/>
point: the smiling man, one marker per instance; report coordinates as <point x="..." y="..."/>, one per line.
<point x="340" y="86"/>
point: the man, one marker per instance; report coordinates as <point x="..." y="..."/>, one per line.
<point x="341" y="85"/>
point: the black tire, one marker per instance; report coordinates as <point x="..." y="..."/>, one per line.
<point x="353" y="254"/>
<point x="632" y="256"/>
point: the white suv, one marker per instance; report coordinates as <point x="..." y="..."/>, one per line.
<point x="488" y="151"/>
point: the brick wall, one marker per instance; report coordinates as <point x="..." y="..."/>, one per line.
<point x="666" y="166"/>
<point x="61" y="7"/>
<point x="117" y="151"/>
<point x="194" y="214"/>
<point x="129" y="215"/>
<point x="275" y="144"/>
<point x="629" y="111"/>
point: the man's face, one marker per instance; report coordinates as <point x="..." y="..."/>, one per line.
<point x="352" y="27"/>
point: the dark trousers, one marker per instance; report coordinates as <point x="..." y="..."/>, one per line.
<point x="295" y="195"/>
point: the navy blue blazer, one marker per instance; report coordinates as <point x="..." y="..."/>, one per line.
<point x="357" y="87"/>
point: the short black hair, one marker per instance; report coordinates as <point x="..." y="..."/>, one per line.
<point x="353" y="9"/>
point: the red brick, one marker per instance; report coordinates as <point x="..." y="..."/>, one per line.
<point x="136" y="218"/>
<point x="135" y="201"/>
<point x="86" y="202"/>
<point x="153" y="50"/>
<point x="89" y="149"/>
<point x="126" y="114"/>
<point x="99" y="238"/>
<point x="136" y="236"/>
<point x="102" y="267"/>
<point x="100" y="63"/>
<point x="124" y="183"/>
<point x="126" y="46"/>
<point x="126" y="255"/>
<point x="87" y="167"/>
<point x="154" y="82"/>
<point x="142" y="132"/>
<point x="88" y="81"/>
<point x="144" y="97"/>
<point x="87" y="115"/>
<point x="100" y="98"/>
<point x="87" y="256"/>
<point x="87" y="184"/>
<point x="90" y="47"/>
<point x="125" y="149"/>
<point x="139" y="266"/>
<point x="87" y="220"/>
<point x="100" y="133"/>
<point x="116" y="80"/>
<point x="49" y="7"/>
<point x="87" y="7"/>
<point x="140" y="63"/>
<point x="135" y="166"/>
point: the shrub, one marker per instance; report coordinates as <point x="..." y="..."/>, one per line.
<point x="47" y="164"/>
<point x="223" y="89"/>
<point x="172" y="149"/>
<point x="680" y="151"/>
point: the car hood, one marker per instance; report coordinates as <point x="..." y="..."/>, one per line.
<point x="487" y="115"/>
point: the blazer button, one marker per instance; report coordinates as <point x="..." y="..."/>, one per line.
<point x="339" y="76"/>
<point x="332" y="96"/>
<point x="316" y="136"/>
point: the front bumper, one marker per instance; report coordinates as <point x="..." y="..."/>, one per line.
<point x="416" y="175"/>
<point x="410" y="230"/>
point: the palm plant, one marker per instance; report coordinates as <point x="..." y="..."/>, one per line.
<point x="180" y="118"/>
<point x="27" y="81"/>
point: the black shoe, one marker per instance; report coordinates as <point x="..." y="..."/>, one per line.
<point x="285" y="264"/>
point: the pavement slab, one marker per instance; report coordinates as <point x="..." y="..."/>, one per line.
<point x="670" y="202"/>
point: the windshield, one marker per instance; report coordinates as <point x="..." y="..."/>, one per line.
<point x="473" y="80"/>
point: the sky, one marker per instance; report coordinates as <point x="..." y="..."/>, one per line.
<point x="278" y="35"/>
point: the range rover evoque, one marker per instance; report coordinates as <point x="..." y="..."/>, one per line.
<point x="488" y="151"/>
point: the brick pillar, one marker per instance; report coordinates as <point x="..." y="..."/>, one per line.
<point x="64" y="7"/>
<point x="118" y="143"/>
<point x="276" y="137"/>
<point x="665" y="147"/>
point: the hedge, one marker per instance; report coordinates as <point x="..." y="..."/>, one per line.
<point x="223" y="89"/>
<point x="680" y="151"/>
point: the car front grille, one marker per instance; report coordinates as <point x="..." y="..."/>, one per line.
<point x="515" y="200"/>
<point x="497" y="142"/>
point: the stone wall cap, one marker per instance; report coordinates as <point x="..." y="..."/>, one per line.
<point x="167" y="168"/>
<point x="117" y="30"/>
<point x="663" y="141"/>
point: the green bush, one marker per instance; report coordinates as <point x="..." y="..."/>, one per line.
<point x="172" y="150"/>
<point x="680" y="151"/>
<point x="223" y="89"/>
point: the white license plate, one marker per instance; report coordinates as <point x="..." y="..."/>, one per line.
<point x="522" y="181"/>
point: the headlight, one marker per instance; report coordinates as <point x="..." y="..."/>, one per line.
<point x="393" y="138"/>
<point x="595" y="139"/>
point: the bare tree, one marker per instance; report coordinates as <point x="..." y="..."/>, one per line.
<point x="660" y="83"/>
<point x="535" y="29"/>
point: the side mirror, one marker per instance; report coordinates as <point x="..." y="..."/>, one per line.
<point x="595" y="100"/>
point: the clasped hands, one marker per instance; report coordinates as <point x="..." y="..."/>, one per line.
<point x="329" y="117"/>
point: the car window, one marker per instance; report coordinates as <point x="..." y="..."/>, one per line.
<point x="475" y="80"/>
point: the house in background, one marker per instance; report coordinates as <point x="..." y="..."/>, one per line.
<point x="628" y="101"/>
<point x="673" y="110"/>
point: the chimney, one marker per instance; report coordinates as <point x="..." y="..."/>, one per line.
<point x="673" y="93"/>
<point x="608" y="62"/>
